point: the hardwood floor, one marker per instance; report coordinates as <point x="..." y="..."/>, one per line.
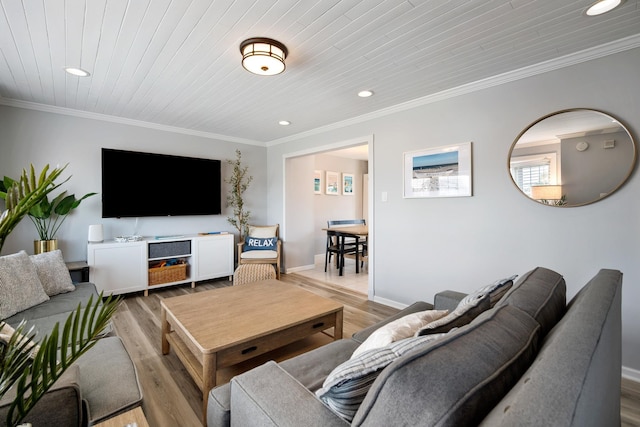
<point x="171" y="398"/>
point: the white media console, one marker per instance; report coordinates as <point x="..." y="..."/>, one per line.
<point x="118" y="268"/>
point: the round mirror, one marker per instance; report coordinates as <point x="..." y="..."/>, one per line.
<point x="572" y="158"/>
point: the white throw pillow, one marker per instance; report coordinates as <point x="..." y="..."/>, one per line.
<point x="53" y="272"/>
<point x="401" y="328"/>
<point x="7" y="331"/>
<point x="262" y="231"/>
<point x="20" y="287"/>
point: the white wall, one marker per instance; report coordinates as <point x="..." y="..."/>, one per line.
<point x="422" y="246"/>
<point x="37" y="137"/>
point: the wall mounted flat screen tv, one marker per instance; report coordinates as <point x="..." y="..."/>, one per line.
<point x="136" y="184"/>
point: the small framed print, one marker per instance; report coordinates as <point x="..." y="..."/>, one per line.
<point x="317" y="182"/>
<point x="332" y="183"/>
<point x="347" y="184"/>
<point x="438" y="172"/>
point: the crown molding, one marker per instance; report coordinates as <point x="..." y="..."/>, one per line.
<point x="600" y="51"/>
<point x="606" y="49"/>
<point x="121" y="120"/>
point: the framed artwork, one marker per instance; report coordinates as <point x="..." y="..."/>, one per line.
<point x="347" y="184"/>
<point x="332" y="183"/>
<point x="317" y="182"/>
<point x="438" y="172"/>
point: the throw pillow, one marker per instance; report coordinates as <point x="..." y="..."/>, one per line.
<point x="53" y="272"/>
<point x="6" y="332"/>
<point x="470" y="307"/>
<point x="467" y="310"/>
<point x="20" y="287"/>
<point x="347" y="385"/>
<point x="496" y="291"/>
<point x="263" y="231"/>
<point x="260" y="244"/>
<point x="404" y="327"/>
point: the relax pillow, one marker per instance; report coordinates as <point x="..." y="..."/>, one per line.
<point x="347" y="385"/>
<point x="260" y="244"/>
<point x="20" y="287"/>
<point x="404" y="327"/>
<point x="53" y="272"/>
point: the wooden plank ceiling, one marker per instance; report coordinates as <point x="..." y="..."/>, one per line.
<point x="177" y="62"/>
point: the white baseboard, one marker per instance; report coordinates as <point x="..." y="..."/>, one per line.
<point x="389" y="302"/>
<point x="301" y="268"/>
<point x="631" y="374"/>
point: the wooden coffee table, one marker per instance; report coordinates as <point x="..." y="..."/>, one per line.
<point x="222" y="327"/>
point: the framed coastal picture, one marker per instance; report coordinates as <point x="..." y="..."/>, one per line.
<point x="332" y="183"/>
<point x="317" y="182"/>
<point x="347" y="184"/>
<point x="438" y="172"/>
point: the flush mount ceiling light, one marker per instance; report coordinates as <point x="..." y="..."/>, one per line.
<point x="602" y="6"/>
<point x="78" y="72"/>
<point x="262" y="56"/>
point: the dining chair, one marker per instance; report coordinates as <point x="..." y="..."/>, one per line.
<point x="333" y="243"/>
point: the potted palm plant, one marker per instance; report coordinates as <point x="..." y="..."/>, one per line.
<point x="22" y="194"/>
<point x="49" y="216"/>
<point x="28" y="367"/>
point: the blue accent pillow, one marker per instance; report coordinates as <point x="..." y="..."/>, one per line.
<point x="260" y="244"/>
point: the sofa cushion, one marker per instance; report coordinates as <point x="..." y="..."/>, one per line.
<point x="44" y="316"/>
<point x="541" y="293"/>
<point x="347" y="385"/>
<point x="108" y="379"/>
<point x="53" y="272"/>
<point x="457" y="379"/>
<point x="61" y="405"/>
<point x="576" y="375"/>
<point x="20" y="287"/>
<point x="404" y="327"/>
<point x="467" y="310"/>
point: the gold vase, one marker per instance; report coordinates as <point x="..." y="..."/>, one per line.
<point x="41" y="246"/>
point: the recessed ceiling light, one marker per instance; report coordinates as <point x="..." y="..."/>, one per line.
<point x="284" y="122"/>
<point x="602" y="6"/>
<point x="365" y="93"/>
<point x="78" y="72"/>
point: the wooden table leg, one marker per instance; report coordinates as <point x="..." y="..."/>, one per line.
<point x="337" y="330"/>
<point x="209" y="372"/>
<point x="166" y="328"/>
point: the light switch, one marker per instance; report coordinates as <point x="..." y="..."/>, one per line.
<point x="383" y="196"/>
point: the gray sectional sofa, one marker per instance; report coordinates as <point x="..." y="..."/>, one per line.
<point x="103" y="382"/>
<point x="531" y="359"/>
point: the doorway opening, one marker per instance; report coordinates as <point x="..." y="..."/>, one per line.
<point x="308" y="205"/>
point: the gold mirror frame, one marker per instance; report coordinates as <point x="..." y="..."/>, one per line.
<point x="572" y="157"/>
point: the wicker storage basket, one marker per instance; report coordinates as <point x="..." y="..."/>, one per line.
<point x="173" y="273"/>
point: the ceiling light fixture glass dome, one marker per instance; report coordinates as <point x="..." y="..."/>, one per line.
<point x="263" y="56"/>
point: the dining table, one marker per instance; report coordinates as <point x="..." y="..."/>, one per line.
<point x="341" y="233"/>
